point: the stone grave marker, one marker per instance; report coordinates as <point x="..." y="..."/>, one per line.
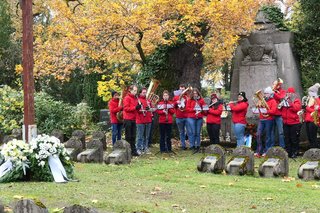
<point x="1" y="206"/>
<point x="121" y="153"/>
<point x="214" y="161"/>
<point x="17" y="133"/>
<point x="79" y="209"/>
<point x="102" y="137"/>
<point x="276" y="163"/>
<point x="82" y="137"/>
<point x="93" y="153"/>
<point x="241" y="162"/>
<point x="58" y="134"/>
<point x="27" y="206"/>
<point x="310" y="169"/>
<point x="74" y="147"/>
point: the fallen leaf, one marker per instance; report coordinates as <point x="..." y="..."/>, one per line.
<point x="231" y="184"/>
<point x="202" y="186"/>
<point x="184" y="210"/>
<point x="175" y="205"/>
<point x="315" y="186"/>
<point x="7" y="209"/>
<point x="177" y="162"/>
<point x="187" y="176"/>
<point x="236" y="179"/>
<point x="94" y="201"/>
<point x="18" y="197"/>
<point x="268" y="198"/>
<point x="56" y="210"/>
<point x="157" y="188"/>
<point x="299" y="185"/>
<point x="288" y="179"/>
<point x="253" y="207"/>
<point x="153" y="193"/>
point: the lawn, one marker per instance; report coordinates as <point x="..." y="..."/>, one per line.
<point x="170" y="183"/>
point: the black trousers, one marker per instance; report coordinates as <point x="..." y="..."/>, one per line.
<point x="130" y="134"/>
<point x="292" y="138"/>
<point x="165" y="137"/>
<point x="213" y="132"/>
<point x="312" y="134"/>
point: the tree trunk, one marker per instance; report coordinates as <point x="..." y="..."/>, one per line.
<point x="187" y="61"/>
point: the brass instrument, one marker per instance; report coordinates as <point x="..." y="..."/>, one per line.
<point x="315" y="117"/>
<point x="284" y="102"/>
<point x="151" y="91"/>
<point x="278" y="82"/>
<point x="182" y="103"/>
<point x="304" y="103"/>
<point x="261" y="102"/>
<point x="119" y="114"/>
<point x="141" y="109"/>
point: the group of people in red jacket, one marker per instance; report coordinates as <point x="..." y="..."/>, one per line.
<point x="282" y="110"/>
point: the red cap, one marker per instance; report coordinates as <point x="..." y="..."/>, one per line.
<point x="291" y="90"/>
<point x="213" y="95"/>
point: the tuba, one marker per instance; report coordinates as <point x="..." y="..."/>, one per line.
<point x="261" y="102"/>
<point x="151" y="91"/>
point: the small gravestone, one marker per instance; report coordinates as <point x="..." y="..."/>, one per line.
<point x="82" y="137"/>
<point x="17" y="133"/>
<point x="241" y="162"/>
<point x="215" y="160"/>
<point x="276" y="163"/>
<point x="310" y="169"/>
<point x="102" y="137"/>
<point x="93" y="153"/>
<point x="1" y="206"/>
<point x="73" y="147"/>
<point x="58" y="134"/>
<point x="27" y="206"/>
<point x="8" y="138"/>
<point x="121" y="153"/>
<point x="78" y="209"/>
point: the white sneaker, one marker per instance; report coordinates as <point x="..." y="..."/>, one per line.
<point x="139" y="152"/>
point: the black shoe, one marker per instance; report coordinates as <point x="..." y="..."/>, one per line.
<point x="192" y="148"/>
<point x="135" y="154"/>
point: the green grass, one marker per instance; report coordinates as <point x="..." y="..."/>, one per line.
<point x="163" y="183"/>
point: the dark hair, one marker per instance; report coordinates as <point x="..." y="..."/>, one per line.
<point x="196" y="90"/>
<point x="132" y="86"/>
<point x="143" y="88"/>
<point x="182" y="85"/>
<point x="243" y="94"/>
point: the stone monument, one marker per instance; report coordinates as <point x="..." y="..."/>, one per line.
<point x="121" y="153"/>
<point x="74" y="147"/>
<point x="93" y="153"/>
<point x="78" y="209"/>
<point x="310" y="169"/>
<point x="275" y="164"/>
<point x="102" y="137"/>
<point x="82" y="137"/>
<point x="214" y="161"/>
<point x="26" y="206"/>
<point x="241" y="162"/>
<point x="58" y="134"/>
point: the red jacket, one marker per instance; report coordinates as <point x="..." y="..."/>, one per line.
<point x="129" y="107"/>
<point x="190" y="108"/>
<point x="114" y="108"/>
<point x="239" y="112"/>
<point x="310" y="109"/>
<point x="278" y="96"/>
<point x="161" y="107"/>
<point x="143" y="117"/>
<point x="289" y="114"/>
<point x="214" y="115"/>
<point x="273" y="106"/>
<point x="180" y="113"/>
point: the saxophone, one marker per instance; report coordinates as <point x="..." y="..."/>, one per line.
<point x="304" y="103"/>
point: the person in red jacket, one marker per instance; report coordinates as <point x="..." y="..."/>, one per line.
<point x="279" y="94"/>
<point x="312" y="105"/>
<point x="214" y="118"/>
<point x="165" y="110"/>
<point x="181" y="114"/>
<point x="130" y="105"/>
<point x="114" y="108"/>
<point x="239" y="111"/>
<point x="196" y="107"/>
<point x="143" y="122"/>
<point x="266" y="121"/>
<point x="291" y="123"/>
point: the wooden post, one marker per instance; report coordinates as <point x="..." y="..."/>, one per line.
<point x="27" y="63"/>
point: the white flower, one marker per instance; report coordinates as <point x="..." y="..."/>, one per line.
<point x="42" y="163"/>
<point x="67" y="158"/>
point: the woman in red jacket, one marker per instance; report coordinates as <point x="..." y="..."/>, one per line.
<point x="195" y="108"/>
<point x="239" y="111"/>
<point x="114" y="108"/>
<point x="291" y="123"/>
<point x="214" y="119"/>
<point x="165" y="110"/>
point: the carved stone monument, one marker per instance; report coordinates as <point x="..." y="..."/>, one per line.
<point x="27" y="206"/>
<point x="58" y="134"/>
<point x="214" y="161"/>
<point x="241" y="162"/>
<point x="102" y="137"/>
<point x="93" y="153"/>
<point x="276" y="163"/>
<point x="121" y="153"/>
<point x="82" y="137"/>
<point x="78" y="209"/>
<point x="310" y="170"/>
<point x="74" y="147"/>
